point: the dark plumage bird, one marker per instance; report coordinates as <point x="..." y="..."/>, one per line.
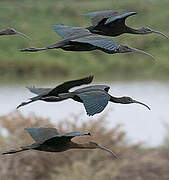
<point x="81" y="39"/>
<point x="11" y="31"/>
<point x="48" y="139"/>
<point x="94" y="98"/>
<point x="112" y="23"/>
<point x="45" y="94"/>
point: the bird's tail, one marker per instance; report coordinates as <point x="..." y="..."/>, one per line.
<point x="15" y="151"/>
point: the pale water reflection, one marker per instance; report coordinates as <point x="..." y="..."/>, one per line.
<point x="139" y="123"/>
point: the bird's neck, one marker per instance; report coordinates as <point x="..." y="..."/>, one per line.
<point x="3" y="33"/>
<point x="116" y="99"/>
<point x="135" y="31"/>
<point x="81" y="146"/>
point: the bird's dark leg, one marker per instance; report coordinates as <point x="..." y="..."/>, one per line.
<point x="24" y="148"/>
<point x="14" y="151"/>
<point x="53" y="46"/>
<point x="25" y="103"/>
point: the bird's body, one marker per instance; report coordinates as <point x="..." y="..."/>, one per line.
<point x="81" y="39"/>
<point x="11" y="31"/>
<point x="95" y="99"/>
<point x="51" y="94"/>
<point x="49" y="140"/>
<point x="111" y="23"/>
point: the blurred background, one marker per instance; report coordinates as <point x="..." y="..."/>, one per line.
<point x="140" y="137"/>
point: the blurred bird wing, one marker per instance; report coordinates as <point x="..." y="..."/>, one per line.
<point x="102" y="87"/>
<point x="64" y="137"/>
<point x="98" y="41"/>
<point x="41" y="134"/>
<point x="64" y="88"/>
<point x="94" y="101"/>
<point x="38" y="91"/>
<point x="98" y="16"/>
<point x="119" y="17"/>
<point x="68" y="31"/>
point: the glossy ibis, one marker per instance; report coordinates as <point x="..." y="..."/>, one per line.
<point x="46" y="93"/>
<point x="112" y="23"/>
<point x="11" y="31"/>
<point x="81" y="39"/>
<point x="94" y="98"/>
<point x="48" y="139"/>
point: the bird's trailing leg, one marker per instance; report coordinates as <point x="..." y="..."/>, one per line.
<point x="32" y="49"/>
<point x="24" y="103"/>
<point x="13" y="151"/>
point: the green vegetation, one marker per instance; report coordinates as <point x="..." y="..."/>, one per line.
<point x="35" y="18"/>
<point x="136" y="162"/>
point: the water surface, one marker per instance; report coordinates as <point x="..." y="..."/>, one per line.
<point x="139" y="123"/>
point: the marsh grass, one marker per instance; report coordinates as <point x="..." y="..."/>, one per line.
<point x="36" y="17"/>
<point x="136" y="162"/>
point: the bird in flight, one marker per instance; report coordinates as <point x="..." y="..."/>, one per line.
<point x="94" y="98"/>
<point x="112" y="23"/>
<point x="49" y="140"/>
<point x="81" y="39"/>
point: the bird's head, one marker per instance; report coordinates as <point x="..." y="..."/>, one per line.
<point x="126" y="48"/>
<point x="129" y="100"/>
<point x="94" y="145"/>
<point x="11" y="31"/>
<point x="147" y="30"/>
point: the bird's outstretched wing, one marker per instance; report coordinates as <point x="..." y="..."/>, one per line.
<point x="94" y="101"/>
<point x="100" y="16"/>
<point x="121" y="17"/>
<point x="64" y="88"/>
<point x="41" y="134"/>
<point x="98" y="41"/>
<point x="39" y="91"/>
<point x="65" y="137"/>
<point x="68" y="31"/>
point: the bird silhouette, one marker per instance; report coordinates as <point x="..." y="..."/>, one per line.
<point x="112" y="23"/>
<point x="11" y="31"/>
<point x="81" y="39"/>
<point x="94" y="98"/>
<point x="49" y="140"/>
<point x="46" y="93"/>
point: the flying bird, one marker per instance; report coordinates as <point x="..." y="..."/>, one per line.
<point x="81" y="39"/>
<point x="11" y="31"/>
<point x="94" y="98"/>
<point x="45" y="94"/>
<point x="112" y="23"/>
<point x="49" y="140"/>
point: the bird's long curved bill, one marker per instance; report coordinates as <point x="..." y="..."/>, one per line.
<point x="24" y="35"/>
<point x="108" y="150"/>
<point x="138" y="102"/>
<point x="158" y="32"/>
<point x="141" y="52"/>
